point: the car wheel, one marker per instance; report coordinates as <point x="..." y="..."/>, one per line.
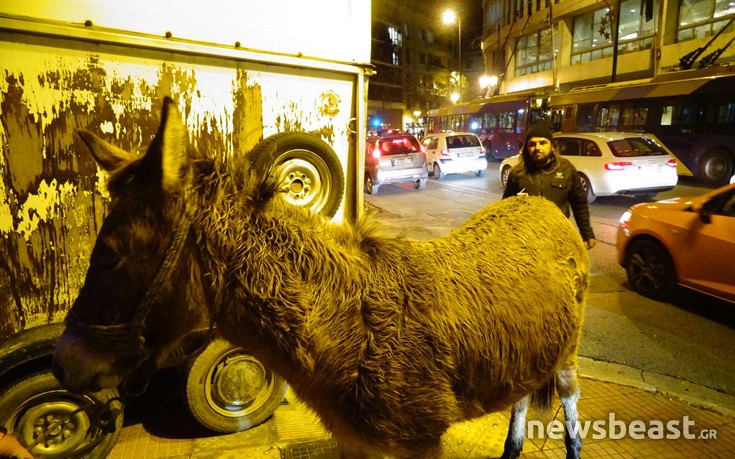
<point x="370" y="186"/>
<point x="504" y="176"/>
<point x="480" y="173"/>
<point x="420" y="184"/>
<point x="716" y="167"/>
<point x="438" y="174"/>
<point x="55" y="423"/>
<point x="650" y="269"/>
<point x="587" y="188"/>
<point x="307" y="168"/>
<point x="229" y="391"/>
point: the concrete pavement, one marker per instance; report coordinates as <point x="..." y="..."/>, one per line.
<point x="627" y="414"/>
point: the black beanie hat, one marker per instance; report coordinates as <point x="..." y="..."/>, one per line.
<point x="541" y="128"/>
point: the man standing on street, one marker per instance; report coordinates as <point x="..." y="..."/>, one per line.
<point x="543" y="172"/>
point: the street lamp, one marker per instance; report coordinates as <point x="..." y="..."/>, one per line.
<point x="449" y="17"/>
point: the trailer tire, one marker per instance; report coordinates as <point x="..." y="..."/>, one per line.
<point x="37" y="405"/>
<point x="308" y="170"/>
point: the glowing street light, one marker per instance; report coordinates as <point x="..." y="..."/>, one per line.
<point x="489" y="84"/>
<point x="450" y="17"/>
<point x="454" y="97"/>
<point x="488" y="81"/>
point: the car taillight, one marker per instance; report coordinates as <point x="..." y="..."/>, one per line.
<point x="445" y="152"/>
<point x="618" y="165"/>
<point x="376" y="153"/>
<point x="482" y="151"/>
<point x="671" y="163"/>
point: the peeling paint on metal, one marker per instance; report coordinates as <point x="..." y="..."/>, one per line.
<point x="52" y="195"/>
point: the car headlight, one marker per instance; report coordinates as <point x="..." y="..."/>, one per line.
<point x="625" y="218"/>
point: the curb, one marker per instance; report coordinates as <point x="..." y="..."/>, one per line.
<point x="649" y="381"/>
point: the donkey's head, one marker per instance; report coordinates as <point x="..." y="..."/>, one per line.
<point x="137" y="301"/>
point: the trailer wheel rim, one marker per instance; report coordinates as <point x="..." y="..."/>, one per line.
<point x="304" y="179"/>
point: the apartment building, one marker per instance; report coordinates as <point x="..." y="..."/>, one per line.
<point x="416" y="60"/>
<point x="561" y="44"/>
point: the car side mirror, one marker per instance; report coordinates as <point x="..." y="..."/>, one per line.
<point x="705" y="215"/>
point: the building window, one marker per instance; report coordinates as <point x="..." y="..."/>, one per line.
<point x="637" y="26"/>
<point x="534" y="53"/>
<point x="396" y="38"/>
<point x="702" y="18"/>
<point x="592" y="32"/>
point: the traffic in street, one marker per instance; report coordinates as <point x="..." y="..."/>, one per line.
<point x="689" y="339"/>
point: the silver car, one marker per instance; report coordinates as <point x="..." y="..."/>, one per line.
<point x="394" y="159"/>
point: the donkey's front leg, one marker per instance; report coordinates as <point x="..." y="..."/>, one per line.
<point x="568" y="389"/>
<point x="516" y="430"/>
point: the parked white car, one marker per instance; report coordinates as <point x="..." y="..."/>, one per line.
<point x="454" y="153"/>
<point x="614" y="163"/>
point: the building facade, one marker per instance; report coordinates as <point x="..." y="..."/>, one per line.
<point x="416" y="63"/>
<point x="556" y="45"/>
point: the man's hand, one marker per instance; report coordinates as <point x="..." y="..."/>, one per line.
<point x="11" y="447"/>
<point x="590" y="243"/>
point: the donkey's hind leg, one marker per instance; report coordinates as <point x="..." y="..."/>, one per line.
<point x="568" y="389"/>
<point x="516" y="430"/>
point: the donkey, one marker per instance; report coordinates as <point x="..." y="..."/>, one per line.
<point x="388" y="340"/>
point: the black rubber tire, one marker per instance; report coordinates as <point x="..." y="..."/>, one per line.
<point x="715" y="167"/>
<point x="588" y="188"/>
<point x="420" y="184"/>
<point x="229" y="391"/>
<point x="650" y="269"/>
<point x="308" y="168"/>
<point x="438" y="174"/>
<point x="38" y="405"/>
<point x="480" y="173"/>
<point x="370" y="187"/>
<point x="504" y="176"/>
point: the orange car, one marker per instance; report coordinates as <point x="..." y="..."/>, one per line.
<point x="687" y="242"/>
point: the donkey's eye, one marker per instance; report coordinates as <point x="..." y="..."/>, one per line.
<point x="104" y="257"/>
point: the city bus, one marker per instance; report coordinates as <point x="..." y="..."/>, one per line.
<point x="692" y="112"/>
<point x="500" y="121"/>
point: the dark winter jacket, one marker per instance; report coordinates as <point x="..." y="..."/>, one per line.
<point x="559" y="183"/>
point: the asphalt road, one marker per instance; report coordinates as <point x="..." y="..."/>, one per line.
<point x="690" y="338"/>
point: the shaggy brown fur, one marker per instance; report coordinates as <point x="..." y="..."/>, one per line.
<point x="389" y="340"/>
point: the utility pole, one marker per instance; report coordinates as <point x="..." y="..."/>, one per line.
<point x="615" y="27"/>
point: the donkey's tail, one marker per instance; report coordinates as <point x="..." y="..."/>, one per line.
<point x="542" y="398"/>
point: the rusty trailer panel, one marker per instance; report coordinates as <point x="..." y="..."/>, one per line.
<point x="61" y="77"/>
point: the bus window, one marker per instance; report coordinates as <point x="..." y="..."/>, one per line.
<point x="586" y="118"/>
<point x="508" y="122"/>
<point x="634" y="118"/>
<point x="667" y="114"/>
<point x="609" y="117"/>
<point x="726" y="113"/>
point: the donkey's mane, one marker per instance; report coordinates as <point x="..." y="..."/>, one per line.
<point x="239" y="188"/>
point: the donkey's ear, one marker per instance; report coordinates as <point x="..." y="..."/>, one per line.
<point x="108" y="156"/>
<point x="174" y="140"/>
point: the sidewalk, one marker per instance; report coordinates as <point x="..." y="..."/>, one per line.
<point x="613" y="397"/>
